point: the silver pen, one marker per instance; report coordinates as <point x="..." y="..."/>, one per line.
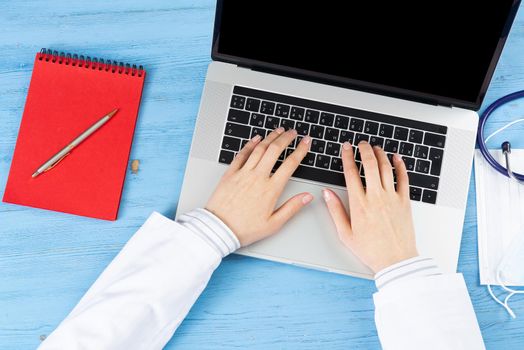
<point x="67" y="149"/>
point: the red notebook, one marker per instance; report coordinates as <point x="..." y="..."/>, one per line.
<point x="66" y="96"/>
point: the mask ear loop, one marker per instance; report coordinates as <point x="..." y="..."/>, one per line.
<point x="504" y="128"/>
<point x="504" y="304"/>
<point x="511" y="292"/>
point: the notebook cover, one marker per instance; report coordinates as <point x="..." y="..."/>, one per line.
<point x="66" y="96"/>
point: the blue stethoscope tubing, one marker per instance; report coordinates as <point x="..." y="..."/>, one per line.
<point x="480" y="134"/>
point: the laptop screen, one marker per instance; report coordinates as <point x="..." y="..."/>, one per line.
<point x="442" y="49"/>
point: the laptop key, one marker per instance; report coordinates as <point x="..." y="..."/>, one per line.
<point x="376" y="141"/>
<point x="415" y="136"/>
<point x="243" y="143"/>
<point x="320" y="175"/>
<point x="242" y="131"/>
<point x="331" y="134"/>
<point x="238" y="101"/>
<point x="371" y="128"/>
<point x="258" y="131"/>
<point x="309" y="159"/>
<point x="435" y="155"/>
<point x="391" y="146"/>
<point x="415" y="193"/>
<point x="257" y="120"/>
<point x="287" y="124"/>
<point x="267" y="107"/>
<point x="422" y="166"/>
<point x="318" y="146"/>
<point x="326" y="119"/>
<point x="226" y="157"/>
<point x="312" y="116"/>
<point x="361" y="137"/>
<point x="252" y="104"/>
<point x="272" y="123"/>
<point x="401" y="133"/>
<point x="341" y="122"/>
<point x="434" y="140"/>
<point x="323" y="161"/>
<point x="346" y="136"/>
<point x="410" y="163"/>
<point x="385" y="130"/>
<point x="231" y="143"/>
<point x="429" y="197"/>
<point x="238" y="116"/>
<point x="406" y="148"/>
<point x="421" y="180"/>
<point x="421" y="151"/>
<point x="316" y="131"/>
<point x="302" y="128"/>
<point x="297" y="113"/>
<point x="282" y="111"/>
<point x="356" y="124"/>
<point x="333" y="149"/>
<point x="336" y="164"/>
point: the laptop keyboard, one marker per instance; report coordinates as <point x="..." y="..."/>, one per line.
<point x="255" y="112"/>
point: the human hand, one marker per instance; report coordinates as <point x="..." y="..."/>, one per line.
<point x="247" y="194"/>
<point x="379" y="229"/>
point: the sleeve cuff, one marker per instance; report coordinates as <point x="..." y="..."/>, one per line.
<point x="211" y="229"/>
<point x="409" y="268"/>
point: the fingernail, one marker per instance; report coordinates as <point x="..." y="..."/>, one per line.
<point x="326" y="195"/>
<point x="307" y="140"/>
<point x="362" y="142"/>
<point x="307" y="198"/>
<point x="293" y="131"/>
<point x="279" y="130"/>
<point x="346" y="145"/>
<point x="256" y="138"/>
<point x="397" y="157"/>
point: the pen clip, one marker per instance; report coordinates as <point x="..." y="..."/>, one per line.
<point x="58" y="161"/>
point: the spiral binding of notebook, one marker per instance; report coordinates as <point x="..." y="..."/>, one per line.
<point x="88" y="62"/>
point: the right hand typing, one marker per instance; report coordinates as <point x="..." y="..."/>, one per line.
<point x="379" y="228"/>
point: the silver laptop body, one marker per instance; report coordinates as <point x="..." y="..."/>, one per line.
<point x="309" y="240"/>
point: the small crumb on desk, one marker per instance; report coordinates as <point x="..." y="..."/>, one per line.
<point x="134" y="166"/>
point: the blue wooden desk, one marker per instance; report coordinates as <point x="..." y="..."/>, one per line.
<point x="48" y="260"/>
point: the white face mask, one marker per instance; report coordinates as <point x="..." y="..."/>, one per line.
<point x="500" y="215"/>
<point x="510" y="268"/>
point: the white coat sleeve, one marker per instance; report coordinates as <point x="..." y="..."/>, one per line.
<point x="418" y="307"/>
<point x="146" y="291"/>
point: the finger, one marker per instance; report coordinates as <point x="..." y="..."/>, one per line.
<point x="274" y="149"/>
<point x="290" y="208"/>
<point x="292" y="162"/>
<point x="244" y="154"/>
<point x="402" y="176"/>
<point x="338" y="214"/>
<point x="260" y="149"/>
<point x="385" y="168"/>
<point x="370" y="164"/>
<point x="351" y="174"/>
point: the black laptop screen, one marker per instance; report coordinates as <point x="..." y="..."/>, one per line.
<point x="441" y="48"/>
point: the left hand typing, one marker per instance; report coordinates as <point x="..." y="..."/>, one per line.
<point x="247" y="194"/>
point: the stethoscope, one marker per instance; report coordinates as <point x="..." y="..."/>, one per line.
<point x="506" y="146"/>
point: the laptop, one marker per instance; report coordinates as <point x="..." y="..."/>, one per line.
<point x="406" y="77"/>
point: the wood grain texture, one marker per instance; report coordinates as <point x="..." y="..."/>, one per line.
<point x="48" y="260"/>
